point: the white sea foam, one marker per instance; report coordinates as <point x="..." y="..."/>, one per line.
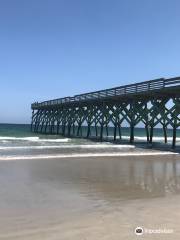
<point x="85" y="155"/>
<point x="156" y="138"/>
<point x="85" y="146"/>
<point x="35" y="139"/>
<point x="140" y="138"/>
<point x="61" y="140"/>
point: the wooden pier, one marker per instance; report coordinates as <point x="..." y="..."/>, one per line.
<point x="154" y="103"/>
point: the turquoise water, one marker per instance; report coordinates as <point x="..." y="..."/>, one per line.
<point x="18" y="130"/>
<point x="23" y="130"/>
<point x="15" y="130"/>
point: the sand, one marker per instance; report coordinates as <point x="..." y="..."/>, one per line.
<point x="89" y="199"/>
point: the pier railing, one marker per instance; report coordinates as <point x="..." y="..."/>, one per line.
<point x="141" y="87"/>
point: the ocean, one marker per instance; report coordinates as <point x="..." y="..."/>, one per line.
<point x="55" y="188"/>
<point x="18" y="142"/>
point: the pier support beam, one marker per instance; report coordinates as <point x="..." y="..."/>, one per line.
<point x="174" y="137"/>
<point x="147" y="133"/>
<point x="151" y="134"/>
<point x="165" y="133"/>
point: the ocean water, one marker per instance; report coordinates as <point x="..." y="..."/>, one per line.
<point x="23" y="130"/>
<point x="18" y="142"/>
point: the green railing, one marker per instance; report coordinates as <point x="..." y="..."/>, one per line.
<point x="141" y="87"/>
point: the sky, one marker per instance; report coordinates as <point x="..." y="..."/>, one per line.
<point x="56" y="48"/>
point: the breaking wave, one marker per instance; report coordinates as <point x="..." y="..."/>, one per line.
<point x="85" y="146"/>
<point x="140" y="138"/>
<point x="35" y="139"/>
<point x="84" y="155"/>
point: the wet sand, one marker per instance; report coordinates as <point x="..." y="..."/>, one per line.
<point x="89" y="198"/>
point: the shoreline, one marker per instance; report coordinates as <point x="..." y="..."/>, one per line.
<point x="89" y="155"/>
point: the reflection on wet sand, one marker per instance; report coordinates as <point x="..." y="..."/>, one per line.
<point x="114" y="179"/>
<point x="87" y="198"/>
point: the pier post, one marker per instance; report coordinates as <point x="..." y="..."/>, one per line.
<point x="119" y="128"/>
<point x="115" y="130"/>
<point x="96" y="130"/>
<point x="88" y="130"/>
<point x="57" y="130"/>
<point x="101" y="132"/>
<point x="132" y="134"/>
<point x="69" y="130"/>
<point x="174" y="137"/>
<point x="107" y="132"/>
<point x="151" y="134"/>
<point x="73" y="129"/>
<point x="165" y="133"/>
<point x="132" y="120"/>
<point x="147" y="132"/>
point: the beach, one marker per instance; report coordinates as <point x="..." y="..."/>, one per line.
<point x="64" y="188"/>
<point x="89" y="198"/>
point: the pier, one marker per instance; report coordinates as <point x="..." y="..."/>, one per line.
<point x="154" y="103"/>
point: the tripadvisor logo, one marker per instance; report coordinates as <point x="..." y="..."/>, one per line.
<point x="139" y="231"/>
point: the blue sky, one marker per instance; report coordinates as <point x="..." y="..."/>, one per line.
<point x="57" y="48"/>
